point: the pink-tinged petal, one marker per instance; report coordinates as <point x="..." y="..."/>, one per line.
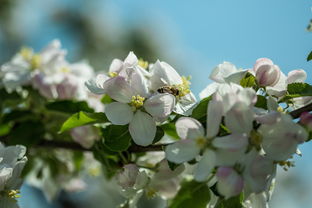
<point x="268" y="75"/>
<point x="142" y="128"/>
<point x="258" y="171"/>
<point x="298" y="75"/>
<point x="116" y="65"/>
<point x="229" y="182"/>
<point x="239" y="119"/>
<point x="138" y="82"/>
<point x="127" y="177"/>
<point x="280" y="88"/>
<point x="119" y="113"/>
<point x="281" y="139"/>
<point x="306" y="119"/>
<point x="222" y="71"/>
<point x="96" y="85"/>
<point x="232" y="142"/>
<point x="182" y="151"/>
<point x="205" y="165"/>
<point x="189" y="128"/>
<point x="209" y="90"/>
<point x="131" y="60"/>
<point x="160" y="106"/>
<point x="262" y="61"/>
<point x="84" y="135"/>
<point x="118" y="89"/>
<point x="164" y="74"/>
<point x="214" y="116"/>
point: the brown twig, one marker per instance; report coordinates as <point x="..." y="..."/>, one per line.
<point x="296" y="113"/>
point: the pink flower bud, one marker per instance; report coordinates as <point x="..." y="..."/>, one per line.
<point x="128" y="176"/>
<point x="230" y="183"/>
<point x="306" y="119"/>
<point x="268" y="75"/>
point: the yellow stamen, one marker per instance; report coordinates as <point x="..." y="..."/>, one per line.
<point x="35" y="61"/>
<point x="65" y="69"/>
<point x="137" y="101"/>
<point x="26" y="53"/>
<point x="14" y="193"/>
<point x="286" y="164"/>
<point x="150" y="193"/>
<point x="201" y="142"/>
<point x="184" y="88"/>
<point x="143" y="64"/>
<point x="255" y="138"/>
<point x="112" y="74"/>
<point x="94" y="171"/>
<point x="280" y="109"/>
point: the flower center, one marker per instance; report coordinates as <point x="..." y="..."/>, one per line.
<point x="184" y="88"/>
<point x="33" y="59"/>
<point x="201" y="142"/>
<point x="137" y="101"/>
<point x="13" y="194"/>
<point x="65" y="69"/>
<point x="112" y="74"/>
<point x="255" y="138"/>
<point x="142" y="63"/>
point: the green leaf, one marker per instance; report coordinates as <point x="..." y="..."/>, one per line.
<point x="309" y="58"/>
<point x="261" y="102"/>
<point x="69" y="106"/>
<point x="27" y="133"/>
<point x="82" y="119"/>
<point x="116" y="138"/>
<point x="233" y="202"/>
<point x="106" y="99"/>
<point x="299" y="90"/>
<point x="248" y="81"/>
<point x="170" y="130"/>
<point x="159" y="134"/>
<point x="191" y="194"/>
<point x="200" y="112"/>
<point x="18" y="115"/>
<point x="4" y="129"/>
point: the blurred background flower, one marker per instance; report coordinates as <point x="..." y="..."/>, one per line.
<point x="193" y="36"/>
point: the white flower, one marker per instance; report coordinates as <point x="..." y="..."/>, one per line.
<point x="19" y="70"/>
<point x="117" y="68"/>
<point x="280" y="139"/>
<point x="165" y="79"/>
<point x="230" y="183"/>
<point x="12" y="162"/>
<point x="223" y="73"/>
<point x="267" y="74"/>
<point x="84" y="135"/>
<point x="132" y="97"/>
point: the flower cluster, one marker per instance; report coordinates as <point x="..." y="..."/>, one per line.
<point x="12" y="162"/>
<point x="227" y="146"/>
<point x="143" y="95"/>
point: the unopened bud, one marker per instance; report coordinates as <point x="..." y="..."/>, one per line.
<point x="306" y="119"/>
<point x="268" y="75"/>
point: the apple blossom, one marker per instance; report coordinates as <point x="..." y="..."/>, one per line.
<point x="267" y="74"/>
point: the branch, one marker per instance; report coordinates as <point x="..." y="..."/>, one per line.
<point x="75" y="146"/>
<point x="296" y="113"/>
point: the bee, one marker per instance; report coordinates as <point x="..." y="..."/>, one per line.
<point x="169" y="89"/>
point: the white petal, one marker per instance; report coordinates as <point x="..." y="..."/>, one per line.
<point x="262" y="61"/>
<point x="138" y="82"/>
<point x="118" y="89"/>
<point x="160" y="106"/>
<point x="116" y="66"/>
<point x="164" y="74"/>
<point x="298" y="75"/>
<point x="131" y="60"/>
<point x="229" y="182"/>
<point x="118" y="113"/>
<point x="185" y="104"/>
<point x="142" y="128"/>
<point x="209" y="90"/>
<point x="214" y="116"/>
<point x="189" y="128"/>
<point x="205" y="165"/>
<point x="239" y="119"/>
<point x="222" y="71"/>
<point x="280" y="88"/>
<point x="182" y="151"/>
<point x="235" y="77"/>
<point x="232" y="142"/>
